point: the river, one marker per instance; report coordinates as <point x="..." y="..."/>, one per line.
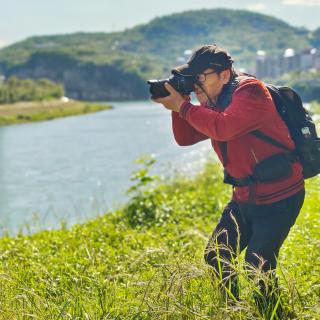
<point x="73" y="169"/>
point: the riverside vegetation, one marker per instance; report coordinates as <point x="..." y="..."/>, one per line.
<point x="28" y="100"/>
<point x="145" y="260"/>
<point x="15" y="90"/>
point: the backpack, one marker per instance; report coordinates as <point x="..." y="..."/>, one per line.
<point x="301" y="127"/>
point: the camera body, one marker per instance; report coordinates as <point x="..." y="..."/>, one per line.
<point x="182" y="83"/>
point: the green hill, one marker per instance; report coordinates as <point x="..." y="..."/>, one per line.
<point x="99" y="66"/>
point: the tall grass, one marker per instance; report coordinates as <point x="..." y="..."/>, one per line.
<point x="145" y="260"/>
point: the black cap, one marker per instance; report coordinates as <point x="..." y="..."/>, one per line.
<point x="207" y="56"/>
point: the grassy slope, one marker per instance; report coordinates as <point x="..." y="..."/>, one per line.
<point x="45" y="110"/>
<point x="145" y="261"/>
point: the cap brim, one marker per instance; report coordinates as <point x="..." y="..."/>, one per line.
<point x="184" y="70"/>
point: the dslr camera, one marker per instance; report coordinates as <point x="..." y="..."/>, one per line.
<point x="184" y="84"/>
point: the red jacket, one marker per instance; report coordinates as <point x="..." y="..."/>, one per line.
<point x="251" y="108"/>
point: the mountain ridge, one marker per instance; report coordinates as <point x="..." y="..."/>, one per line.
<point x="150" y="50"/>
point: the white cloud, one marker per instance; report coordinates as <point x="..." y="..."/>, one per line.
<point x="257" y="7"/>
<point x="308" y="3"/>
<point x="2" y="44"/>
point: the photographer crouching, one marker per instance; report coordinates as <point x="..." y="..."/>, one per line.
<point x="259" y="216"/>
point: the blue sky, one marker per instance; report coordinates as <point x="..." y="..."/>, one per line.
<point x="21" y="19"/>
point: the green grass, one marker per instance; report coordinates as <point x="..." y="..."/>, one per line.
<point x="45" y="110"/>
<point x="145" y="260"/>
<point x="315" y="107"/>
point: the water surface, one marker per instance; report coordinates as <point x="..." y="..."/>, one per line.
<point x="74" y="168"/>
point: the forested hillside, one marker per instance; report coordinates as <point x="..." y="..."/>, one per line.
<point x="97" y="66"/>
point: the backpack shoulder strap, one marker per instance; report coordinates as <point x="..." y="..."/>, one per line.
<point x="266" y="138"/>
<point x="279" y="102"/>
<point x="223" y="146"/>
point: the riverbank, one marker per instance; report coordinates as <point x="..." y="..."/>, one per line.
<point x="145" y="260"/>
<point x="315" y="107"/>
<point x="23" y="112"/>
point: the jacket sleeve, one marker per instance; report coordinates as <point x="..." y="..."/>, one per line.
<point x="251" y="107"/>
<point x="184" y="133"/>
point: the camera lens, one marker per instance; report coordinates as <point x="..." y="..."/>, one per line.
<point x="183" y="84"/>
<point x="157" y="88"/>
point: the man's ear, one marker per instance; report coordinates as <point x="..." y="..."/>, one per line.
<point x="225" y="76"/>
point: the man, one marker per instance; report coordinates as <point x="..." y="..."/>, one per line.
<point x="260" y="214"/>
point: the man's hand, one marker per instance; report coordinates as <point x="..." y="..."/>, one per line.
<point x="173" y="101"/>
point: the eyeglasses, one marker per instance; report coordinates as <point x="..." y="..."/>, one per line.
<point x="203" y="76"/>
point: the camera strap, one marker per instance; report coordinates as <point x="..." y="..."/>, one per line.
<point x="212" y="104"/>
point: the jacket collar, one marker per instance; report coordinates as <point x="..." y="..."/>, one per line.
<point x="225" y="96"/>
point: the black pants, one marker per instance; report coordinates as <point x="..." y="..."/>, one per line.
<point x="261" y="229"/>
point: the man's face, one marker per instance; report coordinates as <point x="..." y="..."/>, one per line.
<point x="212" y="83"/>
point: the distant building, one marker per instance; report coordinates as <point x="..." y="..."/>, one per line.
<point x="266" y="66"/>
<point x="306" y="59"/>
<point x="290" y="61"/>
<point x="269" y="67"/>
<point x="315" y="58"/>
